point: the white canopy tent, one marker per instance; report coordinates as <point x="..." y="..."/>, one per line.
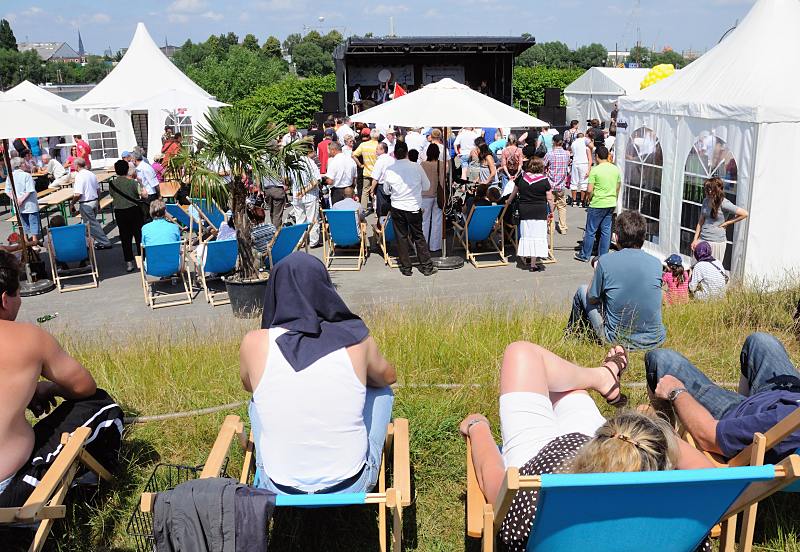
<point x="125" y="99"/>
<point x="593" y="94"/>
<point x="29" y="92"/>
<point x="733" y="113"/>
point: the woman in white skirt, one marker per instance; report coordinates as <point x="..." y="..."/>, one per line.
<point x="431" y="212"/>
<point x="535" y="196"/>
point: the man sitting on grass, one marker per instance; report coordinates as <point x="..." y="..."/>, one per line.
<point x="724" y="421"/>
<point x="623" y="303"/>
<point x="29" y="354"/>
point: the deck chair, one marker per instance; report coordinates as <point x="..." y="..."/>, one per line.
<point x="343" y="230"/>
<point x="219" y="258"/>
<point x="484" y="223"/>
<point x="512" y="232"/>
<point x="210" y="212"/>
<point x="163" y="261"/>
<point x="72" y="244"/>
<point x="285" y="242"/>
<point x="393" y="498"/>
<point x="180" y="216"/>
<point x="386" y="235"/>
<point x="46" y="503"/>
<point x="753" y="455"/>
<point x="668" y="511"/>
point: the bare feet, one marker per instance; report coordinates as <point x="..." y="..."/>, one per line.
<point x="615" y="363"/>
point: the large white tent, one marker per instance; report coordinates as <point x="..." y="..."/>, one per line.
<point x="29" y="92"/>
<point x="733" y="113"/>
<point x="592" y="95"/>
<point x="124" y="100"/>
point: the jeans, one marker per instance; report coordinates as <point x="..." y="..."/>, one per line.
<point x="377" y="415"/>
<point x="432" y="223"/>
<point x="585" y="315"/>
<point x="597" y="218"/>
<point x="88" y="213"/>
<point x="764" y="365"/>
<point x="31" y="224"/>
<point x="408" y="226"/>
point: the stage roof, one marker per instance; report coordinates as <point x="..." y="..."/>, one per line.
<point x="435" y="45"/>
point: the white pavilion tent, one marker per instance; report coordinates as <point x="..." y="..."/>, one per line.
<point x="733" y="113"/>
<point x="29" y="92"/>
<point x="592" y="95"/>
<point x="123" y="99"/>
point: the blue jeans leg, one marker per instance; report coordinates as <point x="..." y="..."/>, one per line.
<point x="586" y="314"/>
<point x="593" y="220"/>
<point x="714" y="398"/>
<point x="605" y="232"/>
<point x="766" y="365"/>
<point x="30" y="224"/>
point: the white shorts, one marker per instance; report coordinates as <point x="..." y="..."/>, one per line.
<point x="580" y="177"/>
<point x="529" y="421"/>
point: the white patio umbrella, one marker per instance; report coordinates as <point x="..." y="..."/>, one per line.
<point x="22" y="118"/>
<point x="446" y="103"/>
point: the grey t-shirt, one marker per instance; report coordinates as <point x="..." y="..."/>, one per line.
<point x="710" y="231"/>
<point x="628" y="284"/>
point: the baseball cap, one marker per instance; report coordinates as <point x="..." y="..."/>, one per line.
<point x="365" y="132"/>
<point x="328" y="132"/>
<point x="126" y="153"/>
<point x="674" y="260"/>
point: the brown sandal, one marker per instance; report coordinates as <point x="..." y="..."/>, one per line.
<point x="616" y="358"/>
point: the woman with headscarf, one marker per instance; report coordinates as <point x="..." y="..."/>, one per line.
<point x="321" y="397"/>
<point x="708" y="279"/>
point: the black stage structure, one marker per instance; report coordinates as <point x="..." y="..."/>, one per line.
<point x="416" y="61"/>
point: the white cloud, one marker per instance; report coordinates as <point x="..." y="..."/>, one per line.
<point x="100" y="18"/>
<point x="386" y="9"/>
<point x="178" y="18"/>
<point x="33" y="11"/>
<point x="212" y="15"/>
<point x="278" y="5"/>
<point x="187" y="6"/>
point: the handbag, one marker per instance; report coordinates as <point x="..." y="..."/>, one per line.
<point x="143" y="205"/>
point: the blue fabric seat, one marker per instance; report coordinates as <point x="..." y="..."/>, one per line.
<point x="343" y="230"/>
<point x="386" y="236"/>
<point x="163" y="261"/>
<point x="285" y="242"/>
<point x="219" y="258"/>
<point x="72" y="244"/>
<point x="482" y="226"/>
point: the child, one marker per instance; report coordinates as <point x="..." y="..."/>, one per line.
<point x="676" y="280"/>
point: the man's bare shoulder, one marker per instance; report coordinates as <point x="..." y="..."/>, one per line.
<point x="20" y="340"/>
<point x="11" y="331"/>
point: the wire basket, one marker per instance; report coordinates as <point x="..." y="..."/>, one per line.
<point x="165" y="477"/>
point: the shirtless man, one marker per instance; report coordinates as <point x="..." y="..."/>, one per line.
<point x="28" y="354"/>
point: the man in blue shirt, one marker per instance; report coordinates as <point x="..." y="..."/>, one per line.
<point x="724" y="421"/>
<point x="623" y="303"/>
<point x="160" y="230"/>
<point x="26" y="196"/>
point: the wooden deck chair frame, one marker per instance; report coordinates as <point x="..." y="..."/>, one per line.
<point x="393" y="499"/>
<point x="484" y="519"/>
<point x="149" y="295"/>
<point x="329" y="250"/>
<point x="214" y="298"/>
<point x="753" y="455"/>
<point x="46" y="503"/>
<point x="380" y="233"/>
<point x="59" y="279"/>
<point x="301" y="243"/>
<point x="462" y="234"/>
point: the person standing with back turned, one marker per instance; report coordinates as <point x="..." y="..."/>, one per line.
<point x="604" y="183"/>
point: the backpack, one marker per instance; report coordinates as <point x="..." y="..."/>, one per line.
<point x="512" y="162"/>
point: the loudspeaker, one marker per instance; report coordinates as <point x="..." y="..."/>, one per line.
<point x="556" y="116"/>
<point x="552" y="97"/>
<point x="330" y="101"/>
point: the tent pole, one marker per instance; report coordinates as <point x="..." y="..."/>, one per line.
<point x="446" y="188"/>
<point x="15" y="201"/>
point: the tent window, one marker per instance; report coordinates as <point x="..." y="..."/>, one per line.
<point x="181" y="123"/>
<point x="709" y="157"/>
<point x="103" y="144"/>
<point x="642" y="181"/>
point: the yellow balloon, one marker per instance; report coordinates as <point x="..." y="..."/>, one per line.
<point x="657" y="73"/>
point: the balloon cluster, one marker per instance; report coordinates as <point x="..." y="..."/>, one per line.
<point x="657" y="73"/>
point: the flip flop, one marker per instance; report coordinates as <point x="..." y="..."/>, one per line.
<point x="616" y="358"/>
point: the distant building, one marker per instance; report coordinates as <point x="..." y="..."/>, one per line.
<point x="169" y="51"/>
<point x="52" y="51"/>
<point x="617" y="58"/>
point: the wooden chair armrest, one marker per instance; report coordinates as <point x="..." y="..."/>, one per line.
<point x="231" y="427"/>
<point x="505" y="496"/>
<point x="402" y="461"/>
<point x="786" y="473"/>
<point x="476" y="501"/>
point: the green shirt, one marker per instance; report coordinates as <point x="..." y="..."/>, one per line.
<point x="128" y="187"/>
<point x="604" y="178"/>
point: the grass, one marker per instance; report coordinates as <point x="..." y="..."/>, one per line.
<point x="430" y="344"/>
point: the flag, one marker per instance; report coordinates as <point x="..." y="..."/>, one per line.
<point x="399" y="91"/>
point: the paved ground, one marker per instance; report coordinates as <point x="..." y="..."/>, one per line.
<point x="117" y="306"/>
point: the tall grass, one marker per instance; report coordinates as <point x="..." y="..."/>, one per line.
<point x="431" y="343"/>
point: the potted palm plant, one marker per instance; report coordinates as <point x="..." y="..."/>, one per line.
<point x="241" y="150"/>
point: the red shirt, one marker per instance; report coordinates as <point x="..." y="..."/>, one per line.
<point x="322" y="154"/>
<point x="169" y="149"/>
<point x="84" y="151"/>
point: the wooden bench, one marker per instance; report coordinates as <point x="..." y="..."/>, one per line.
<point x="105" y="202"/>
<point x="45" y="192"/>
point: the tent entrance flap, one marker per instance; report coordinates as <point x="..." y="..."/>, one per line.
<point x="140" y="124"/>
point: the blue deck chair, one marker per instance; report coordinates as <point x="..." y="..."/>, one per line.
<point x="163" y="261"/>
<point x="219" y="259"/>
<point x="753" y="455"/>
<point x="179" y="215"/>
<point x="285" y="242"/>
<point x="393" y="498"/>
<point x="386" y="235"/>
<point x="343" y="230"/>
<point x="482" y="225"/>
<point x="668" y="511"/>
<point x="210" y="212"/>
<point x="72" y="244"/>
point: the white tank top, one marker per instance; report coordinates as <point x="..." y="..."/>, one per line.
<point x="308" y="426"/>
<point x="579" y="152"/>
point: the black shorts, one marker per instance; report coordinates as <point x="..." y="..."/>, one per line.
<point x="99" y="412"/>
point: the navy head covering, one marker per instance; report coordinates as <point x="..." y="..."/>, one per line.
<point x="301" y="298"/>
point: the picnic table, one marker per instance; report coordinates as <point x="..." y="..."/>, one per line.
<point x="57" y="200"/>
<point x="168" y="189"/>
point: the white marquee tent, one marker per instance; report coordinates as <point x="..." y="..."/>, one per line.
<point x="733" y="113"/>
<point x="592" y="95"/>
<point x="31" y="93"/>
<point x="124" y="100"/>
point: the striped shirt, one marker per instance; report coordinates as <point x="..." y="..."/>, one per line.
<point x="708" y="280"/>
<point x="262" y="236"/>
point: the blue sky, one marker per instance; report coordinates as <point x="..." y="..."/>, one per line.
<point x="680" y="24"/>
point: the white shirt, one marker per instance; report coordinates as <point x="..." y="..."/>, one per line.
<point x="356" y="96"/>
<point x="55" y="168"/>
<point x="288" y="138"/>
<point x="404" y="182"/>
<point x="342" y="170"/>
<point x="415" y="140"/>
<point x="579" y="153"/>
<point x="708" y="280"/>
<point x="609" y="142"/>
<point x="382" y="163"/>
<point x="85" y="185"/>
<point x="466" y="141"/>
<point x="147" y="176"/>
<point x="308" y="175"/>
<point x="389" y="145"/>
<point x="343" y="132"/>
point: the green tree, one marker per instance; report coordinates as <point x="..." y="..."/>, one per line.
<point x="94" y="71"/>
<point x="593" y="55"/>
<point x="330" y="41"/>
<point x="641" y="55"/>
<point x="291" y="41"/>
<point x="272" y="48"/>
<point x="530" y="82"/>
<point x="671" y="57"/>
<point x="551" y="54"/>
<point x="294" y="99"/>
<point x="7" y="39"/>
<point x="250" y="42"/>
<point x="311" y="60"/>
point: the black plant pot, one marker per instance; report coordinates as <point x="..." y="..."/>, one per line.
<point x="247" y="297"/>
